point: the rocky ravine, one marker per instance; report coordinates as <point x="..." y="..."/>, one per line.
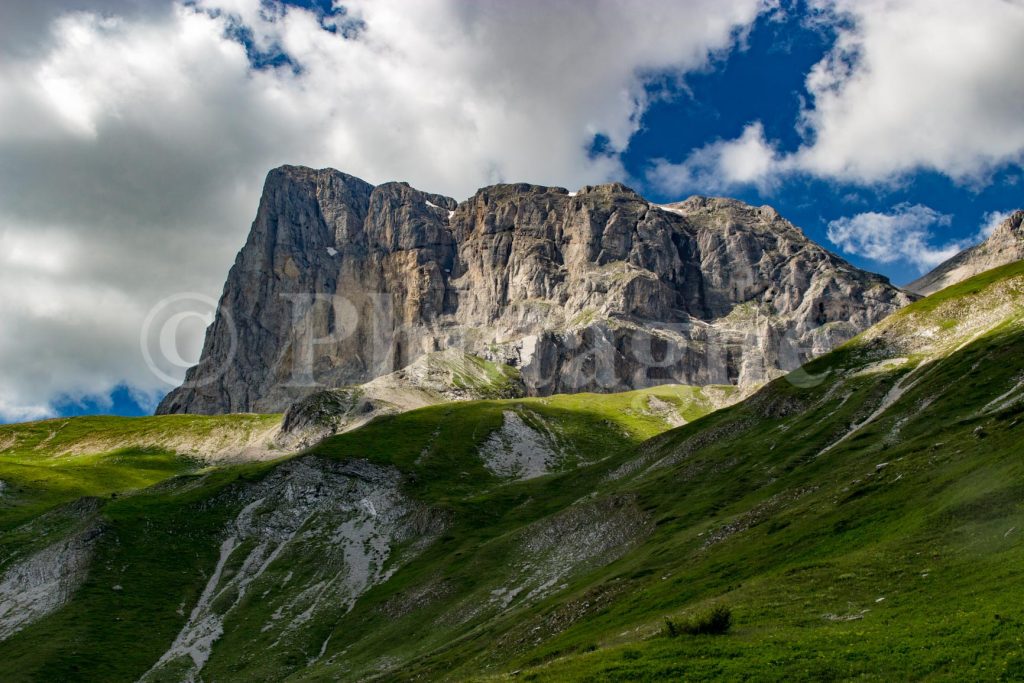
<point x="340" y="282"/>
<point x="1004" y="245"/>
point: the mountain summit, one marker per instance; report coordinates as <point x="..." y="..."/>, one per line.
<point x="340" y="282"/>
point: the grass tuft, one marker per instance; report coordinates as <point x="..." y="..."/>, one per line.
<point x="715" y="621"/>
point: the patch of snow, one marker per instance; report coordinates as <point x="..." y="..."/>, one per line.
<point x="432" y="205"/>
<point x="669" y="209"/>
<point x="573" y="194"/>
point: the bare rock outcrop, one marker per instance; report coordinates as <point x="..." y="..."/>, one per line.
<point x="341" y="282"/>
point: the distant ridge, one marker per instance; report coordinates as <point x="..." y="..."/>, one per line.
<point x="1005" y="245"/>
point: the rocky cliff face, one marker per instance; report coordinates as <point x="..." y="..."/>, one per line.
<point x="340" y="282"/>
<point x="1004" y="245"/>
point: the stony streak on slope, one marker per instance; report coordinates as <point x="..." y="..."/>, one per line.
<point x="519" y="451"/>
<point x="346" y="518"/>
<point x="585" y="535"/>
<point x="340" y="282"/>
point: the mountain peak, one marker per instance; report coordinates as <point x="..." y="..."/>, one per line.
<point x="1010" y="228"/>
<point x="599" y="290"/>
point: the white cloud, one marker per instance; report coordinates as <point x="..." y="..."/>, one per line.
<point x="919" y="84"/>
<point x="902" y="235"/>
<point x="134" y="140"/>
<point x="909" y="85"/>
<point x="721" y="165"/>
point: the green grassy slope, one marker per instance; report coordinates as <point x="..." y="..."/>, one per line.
<point x="895" y="554"/>
<point x="863" y="518"/>
<point x="50" y="462"/>
<point x="158" y="545"/>
<point x="438" y="445"/>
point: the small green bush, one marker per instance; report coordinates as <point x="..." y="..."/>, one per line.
<point x="717" y="620"/>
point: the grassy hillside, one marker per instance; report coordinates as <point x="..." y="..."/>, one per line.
<point x="46" y="463"/>
<point x="863" y="518"/>
<point x="869" y="527"/>
<point x="158" y="545"/>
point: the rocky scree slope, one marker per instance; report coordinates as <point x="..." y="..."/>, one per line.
<point x="1005" y="245"/>
<point x="340" y="282"/>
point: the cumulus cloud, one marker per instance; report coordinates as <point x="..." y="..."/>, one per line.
<point x="904" y="234"/>
<point x="134" y="138"/>
<point x="908" y="85"/>
<point x="918" y="84"/>
<point x="23" y="24"/>
<point x="721" y="165"/>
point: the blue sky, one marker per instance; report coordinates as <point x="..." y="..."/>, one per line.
<point x="890" y="131"/>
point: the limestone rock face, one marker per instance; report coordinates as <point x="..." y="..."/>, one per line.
<point x="341" y="282"/>
<point x="1004" y="245"/>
